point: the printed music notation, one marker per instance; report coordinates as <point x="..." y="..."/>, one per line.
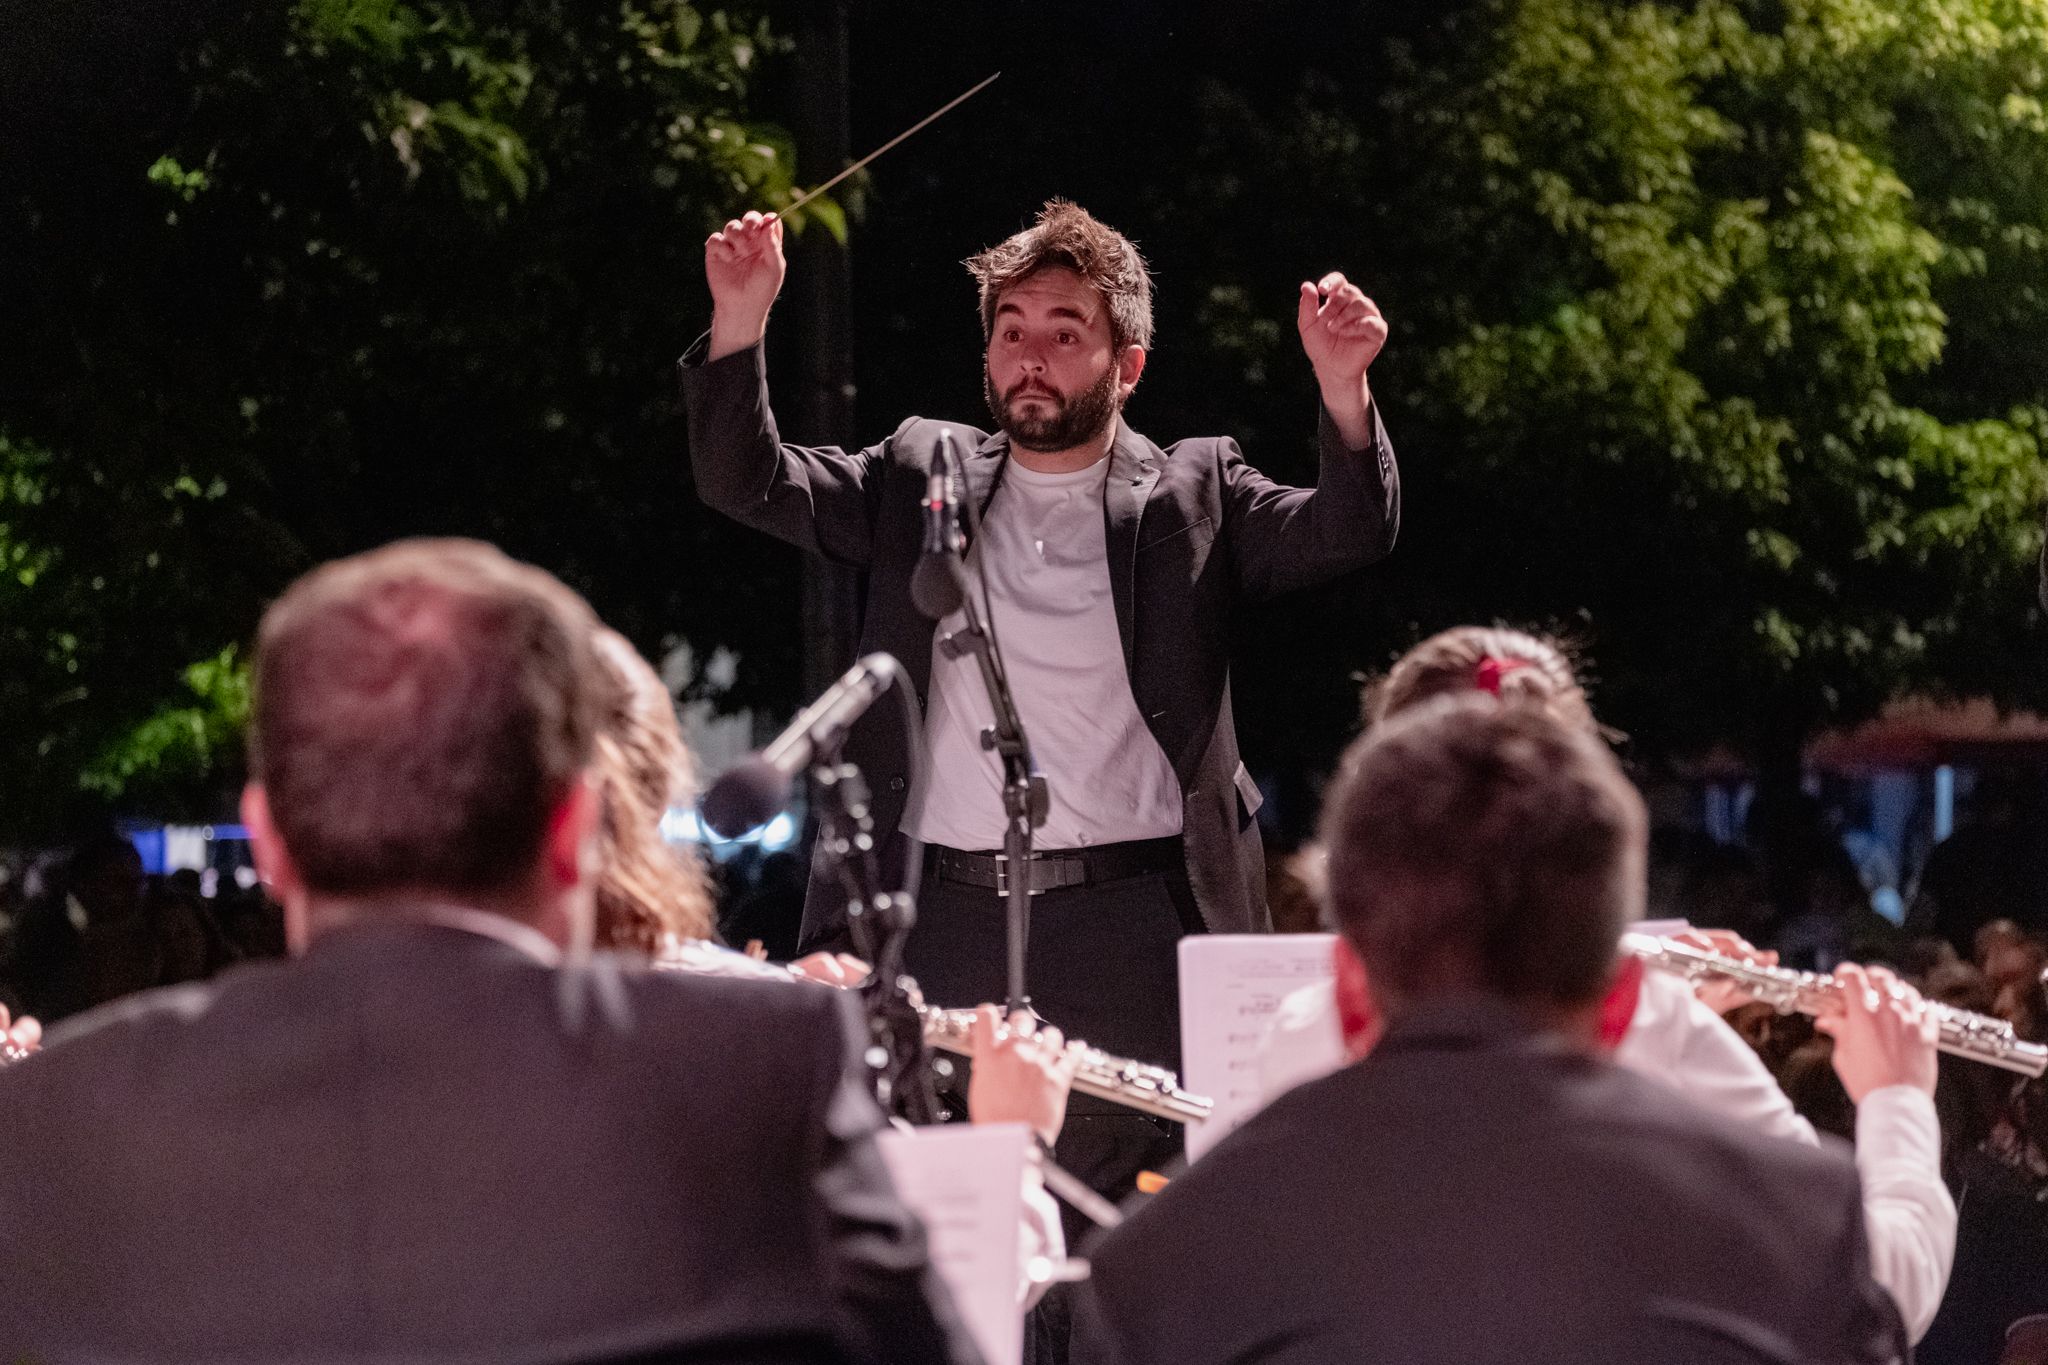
<point x="1231" y="985"/>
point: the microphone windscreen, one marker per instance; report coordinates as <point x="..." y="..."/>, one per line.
<point x="934" y="587"/>
<point x="747" y="797"/>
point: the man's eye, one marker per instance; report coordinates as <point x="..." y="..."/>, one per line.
<point x="1013" y="335"/>
<point x="1068" y="338"/>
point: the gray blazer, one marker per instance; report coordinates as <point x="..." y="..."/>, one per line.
<point x="1476" y="1193"/>
<point x="1193" y="532"/>
<point x="418" y="1144"/>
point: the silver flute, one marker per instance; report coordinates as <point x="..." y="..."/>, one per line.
<point x="1148" y="1089"/>
<point x="1963" y="1033"/>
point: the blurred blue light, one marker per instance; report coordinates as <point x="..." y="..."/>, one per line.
<point x="681" y="826"/>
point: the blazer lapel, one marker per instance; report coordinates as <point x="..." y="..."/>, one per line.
<point x="984" y="468"/>
<point x="1133" y="470"/>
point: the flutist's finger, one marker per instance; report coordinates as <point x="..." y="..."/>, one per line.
<point x="1857" y="991"/>
<point x="988" y="1024"/>
<point x="1728" y="943"/>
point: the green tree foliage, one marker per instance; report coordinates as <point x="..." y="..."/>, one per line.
<point x="1716" y="333"/>
<point x="179" y="741"/>
<point x="326" y="273"/>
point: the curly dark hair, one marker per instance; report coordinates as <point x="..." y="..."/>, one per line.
<point x="1068" y="235"/>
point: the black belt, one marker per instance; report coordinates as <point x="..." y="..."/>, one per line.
<point x="1054" y="868"/>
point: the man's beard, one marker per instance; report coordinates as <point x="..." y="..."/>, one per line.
<point x="1073" y="422"/>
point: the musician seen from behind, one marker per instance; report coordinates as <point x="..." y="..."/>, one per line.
<point x="1114" y="567"/>
<point x="1884" y="1038"/>
<point x="442" y="1129"/>
<point x="1486" y="1185"/>
<point x="653" y="901"/>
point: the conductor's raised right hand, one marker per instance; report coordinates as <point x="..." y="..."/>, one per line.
<point x="744" y="266"/>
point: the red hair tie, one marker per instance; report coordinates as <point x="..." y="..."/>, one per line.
<point x="1618" y="1007"/>
<point x="1486" y="677"/>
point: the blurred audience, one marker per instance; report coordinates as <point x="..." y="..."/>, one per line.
<point x="1993" y="867"/>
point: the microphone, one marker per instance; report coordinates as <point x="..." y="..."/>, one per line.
<point x="757" y="790"/>
<point x="935" y="588"/>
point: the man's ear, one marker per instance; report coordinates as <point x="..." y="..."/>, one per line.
<point x="569" y="849"/>
<point x="274" y="865"/>
<point x="1130" y="363"/>
<point x="1357" y="1017"/>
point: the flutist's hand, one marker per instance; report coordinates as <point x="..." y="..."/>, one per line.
<point x="743" y="264"/>
<point x="1019" y="1076"/>
<point x="1883" y="1035"/>
<point x="1718" y="993"/>
<point x="843" y="970"/>
<point x="21" y="1035"/>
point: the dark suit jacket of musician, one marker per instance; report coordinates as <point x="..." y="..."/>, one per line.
<point x="1474" y="1192"/>
<point x="419" y="1144"/>
<point x="1192" y="532"/>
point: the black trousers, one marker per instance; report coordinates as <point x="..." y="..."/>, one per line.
<point x="1101" y="960"/>
<point x="1101" y="966"/>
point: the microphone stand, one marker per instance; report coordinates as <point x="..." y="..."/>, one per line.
<point x="880" y="921"/>
<point x="1025" y="797"/>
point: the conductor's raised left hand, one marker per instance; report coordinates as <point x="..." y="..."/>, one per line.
<point x="1342" y="332"/>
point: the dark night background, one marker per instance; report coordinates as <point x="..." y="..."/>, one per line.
<point x="1674" y="371"/>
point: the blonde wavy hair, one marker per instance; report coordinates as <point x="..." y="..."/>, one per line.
<point x="646" y="888"/>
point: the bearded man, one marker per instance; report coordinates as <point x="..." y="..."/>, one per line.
<point x="1114" y="568"/>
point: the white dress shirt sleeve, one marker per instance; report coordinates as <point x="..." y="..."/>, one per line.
<point x="1684" y="1044"/>
<point x="1910" y="1219"/>
<point x="1039" y="1236"/>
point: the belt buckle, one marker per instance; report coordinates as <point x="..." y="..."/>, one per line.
<point x="1003" y="877"/>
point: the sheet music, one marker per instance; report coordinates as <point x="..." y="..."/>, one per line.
<point x="965" y="1182"/>
<point x="1230" y="985"/>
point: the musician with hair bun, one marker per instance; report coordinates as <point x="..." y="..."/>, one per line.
<point x="1884" y="1041"/>
<point x="1483" y="1186"/>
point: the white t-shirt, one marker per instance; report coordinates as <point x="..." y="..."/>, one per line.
<point x="1043" y="550"/>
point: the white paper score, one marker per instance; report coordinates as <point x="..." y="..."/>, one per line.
<point x="964" y="1182"/>
<point x="1230" y="985"/>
